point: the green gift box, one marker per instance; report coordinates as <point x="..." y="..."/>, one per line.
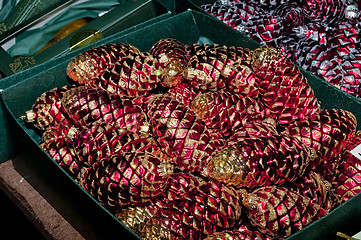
<point x="120" y="17"/>
<point x="66" y="195"/>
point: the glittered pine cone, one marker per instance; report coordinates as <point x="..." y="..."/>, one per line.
<point x="90" y="64"/>
<point x="313" y="186"/>
<point x="279" y="212"/>
<point x="62" y="152"/>
<point x="330" y="12"/>
<point x="291" y="14"/>
<point x="215" y="67"/>
<point x="225" y="112"/>
<point x="192" y="208"/>
<point x="86" y="105"/>
<point x="126" y="179"/>
<point x="172" y="56"/>
<point x="96" y="141"/>
<point x="181" y="135"/>
<point x="184" y="93"/>
<point x="237" y="14"/>
<point x="47" y="110"/>
<point x="283" y="89"/>
<point x="210" y="207"/>
<point x="131" y="77"/>
<point x="347" y="181"/>
<point x="263" y="161"/>
<point x="266" y="29"/>
<point x="327" y="133"/>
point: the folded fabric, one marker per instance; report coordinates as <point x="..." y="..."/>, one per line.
<point x="31" y="41"/>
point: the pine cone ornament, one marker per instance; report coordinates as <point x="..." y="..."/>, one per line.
<point x="347" y="182"/>
<point x="236" y="14"/>
<point x="131" y="77"/>
<point x="126" y="179"/>
<point x="215" y="67"/>
<point x="291" y="14"/>
<point x="86" y="105"/>
<point x="266" y="29"/>
<point x="137" y="219"/>
<point x="62" y="152"/>
<point x="180" y="134"/>
<point x="344" y="39"/>
<point x="323" y="11"/>
<point x="283" y="89"/>
<point x="172" y="56"/>
<point x="210" y="207"/>
<point x="313" y="186"/>
<point x="260" y="162"/>
<point x="254" y="130"/>
<point x="90" y="64"/>
<point x="184" y="93"/>
<point x="279" y="212"/>
<point x="350" y="67"/>
<point x="47" y="110"/>
<point x="327" y="133"/>
<point x="96" y="141"/>
<point x="226" y="112"/>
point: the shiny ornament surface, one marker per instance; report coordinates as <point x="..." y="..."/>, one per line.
<point x="279" y="212"/>
<point x="86" y="105"/>
<point x="125" y="179"/>
<point x="225" y="112"/>
<point x="47" y="110"/>
<point x="348" y="178"/>
<point x="260" y="162"/>
<point x="283" y="89"/>
<point x="131" y="77"/>
<point x="327" y="133"/>
<point x="90" y="64"/>
<point x="180" y="134"/>
<point x="173" y="58"/>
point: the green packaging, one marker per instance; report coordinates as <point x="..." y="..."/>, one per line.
<point x="71" y="200"/>
<point x="126" y="15"/>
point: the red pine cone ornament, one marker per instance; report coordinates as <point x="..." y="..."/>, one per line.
<point x="181" y="135"/>
<point x="126" y="179"/>
<point x="172" y="57"/>
<point x="313" y="186"/>
<point x="86" y="105"/>
<point x="261" y="161"/>
<point x="225" y="112"/>
<point x="204" y="209"/>
<point x="47" y="110"/>
<point x="327" y="133"/>
<point x="62" y="152"/>
<point x="99" y="140"/>
<point x="279" y="212"/>
<point x="348" y="178"/>
<point x="215" y="67"/>
<point x="280" y="79"/>
<point x="91" y="64"/>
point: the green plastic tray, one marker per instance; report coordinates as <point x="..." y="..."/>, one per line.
<point x="65" y="195"/>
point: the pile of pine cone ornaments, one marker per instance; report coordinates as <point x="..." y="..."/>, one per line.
<point x="321" y="36"/>
<point x="199" y="141"/>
